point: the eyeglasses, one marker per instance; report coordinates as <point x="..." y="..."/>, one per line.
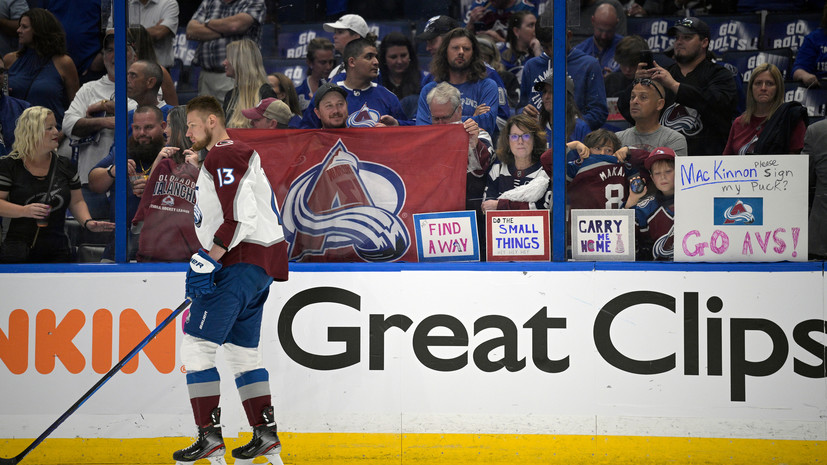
<point x="515" y="137"/>
<point x="448" y="117"/>
<point x="648" y="83"/>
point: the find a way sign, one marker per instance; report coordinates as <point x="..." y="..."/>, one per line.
<point x="447" y="236"/>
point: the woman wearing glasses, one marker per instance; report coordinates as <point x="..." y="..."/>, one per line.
<point x="517" y="181"/>
<point x="768" y="126"/>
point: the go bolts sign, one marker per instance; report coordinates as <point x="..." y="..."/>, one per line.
<point x="541" y="328"/>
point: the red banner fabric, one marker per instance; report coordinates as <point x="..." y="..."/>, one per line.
<point x="350" y="194"/>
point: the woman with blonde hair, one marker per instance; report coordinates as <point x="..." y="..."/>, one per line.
<point x="36" y="188"/>
<point x="517" y="181"/>
<point x="245" y="65"/>
<point x="768" y="125"/>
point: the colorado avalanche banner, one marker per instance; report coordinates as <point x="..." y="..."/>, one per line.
<point x="350" y="194"/>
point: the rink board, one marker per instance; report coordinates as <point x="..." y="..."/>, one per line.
<point x="408" y="365"/>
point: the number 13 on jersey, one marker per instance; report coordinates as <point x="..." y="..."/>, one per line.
<point x="225" y="177"/>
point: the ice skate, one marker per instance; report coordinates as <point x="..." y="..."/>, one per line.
<point x="209" y="444"/>
<point x="265" y="442"/>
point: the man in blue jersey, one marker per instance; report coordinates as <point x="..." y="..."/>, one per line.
<point x="589" y="90"/>
<point x="370" y="104"/>
<point x="459" y="63"/>
<point x="433" y="33"/>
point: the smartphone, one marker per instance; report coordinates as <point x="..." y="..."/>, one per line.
<point x="646" y="57"/>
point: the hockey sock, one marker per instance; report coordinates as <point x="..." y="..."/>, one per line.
<point x="254" y="390"/>
<point x="204" y="389"/>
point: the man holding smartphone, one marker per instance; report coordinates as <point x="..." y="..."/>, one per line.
<point x="701" y="96"/>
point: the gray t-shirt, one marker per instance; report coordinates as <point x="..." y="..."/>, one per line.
<point x="661" y="137"/>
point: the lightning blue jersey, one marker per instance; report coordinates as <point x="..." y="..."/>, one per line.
<point x="472" y="95"/>
<point x="365" y="106"/>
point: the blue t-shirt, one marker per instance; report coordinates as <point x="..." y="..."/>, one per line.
<point x="472" y="95"/>
<point x="812" y="55"/>
<point x="365" y="107"/>
<point x="132" y="201"/>
<point x="606" y="57"/>
<point x="503" y="111"/>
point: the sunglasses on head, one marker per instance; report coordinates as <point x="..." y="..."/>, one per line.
<point x="515" y="137"/>
<point x="648" y="83"/>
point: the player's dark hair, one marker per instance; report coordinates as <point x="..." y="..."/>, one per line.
<point x="48" y="37"/>
<point x="601" y="137"/>
<point x="411" y="78"/>
<point x="528" y="125"/>
<point x="208" y="105"/>
<point x="439" y="65"/>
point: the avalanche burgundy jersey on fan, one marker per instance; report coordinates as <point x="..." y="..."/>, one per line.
<point x="655" y="220"/>
<point x="366" y="106"/>
<point x="237" y="209"/>
<point x="598" y="182"/>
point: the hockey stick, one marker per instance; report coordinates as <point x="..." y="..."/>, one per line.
<point x="94" y="389"/>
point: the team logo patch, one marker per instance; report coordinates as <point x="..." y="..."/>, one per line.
<point x="344" y="206"/>
<point x="730" y="211"/>
<point x="365" y="117"/>
<point x="168" y="201"/>
<point x="683" y="119"/>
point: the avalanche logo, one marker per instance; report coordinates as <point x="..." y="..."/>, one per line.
<point x="366" y="117"/>
<point x="683" y="119"/>
<point x="344" y="208"/>
<point x="729" y="211"/>
<point x="168" y="201"/>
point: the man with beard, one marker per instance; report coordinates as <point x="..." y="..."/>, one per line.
<point x="604" y="41"/>
<point x="701" y="95"/>
<point x="458" y="63"/>
<point x="239" y="226"/>
<point x="370" y="104"/>
<point x="142" y="148"/>
<point x="330" y="106"/>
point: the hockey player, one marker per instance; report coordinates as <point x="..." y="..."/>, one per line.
<point x="238" y="225"/>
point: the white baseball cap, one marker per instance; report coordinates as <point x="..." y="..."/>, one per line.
<point x="355" y="23"/>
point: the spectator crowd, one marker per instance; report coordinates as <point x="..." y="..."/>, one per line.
<point x="629" y="112"/>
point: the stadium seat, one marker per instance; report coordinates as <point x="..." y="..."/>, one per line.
<point x="747" y="60"/>
<point x="295" y="68"/>
<point x="814" y="99"/>
<point x="739" y="32"/>
<point x="788" y="30"/>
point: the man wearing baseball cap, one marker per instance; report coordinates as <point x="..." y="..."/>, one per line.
<point x="433" y="31"/>
<point x="270" y="113"/>
<point x="347" y="29"/>
<point x="655" y="208"/>
<point x="701" y="95"/>
<point x="330" y="106"/>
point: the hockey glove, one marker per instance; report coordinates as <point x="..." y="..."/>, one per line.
<point x="201" y="275"/>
